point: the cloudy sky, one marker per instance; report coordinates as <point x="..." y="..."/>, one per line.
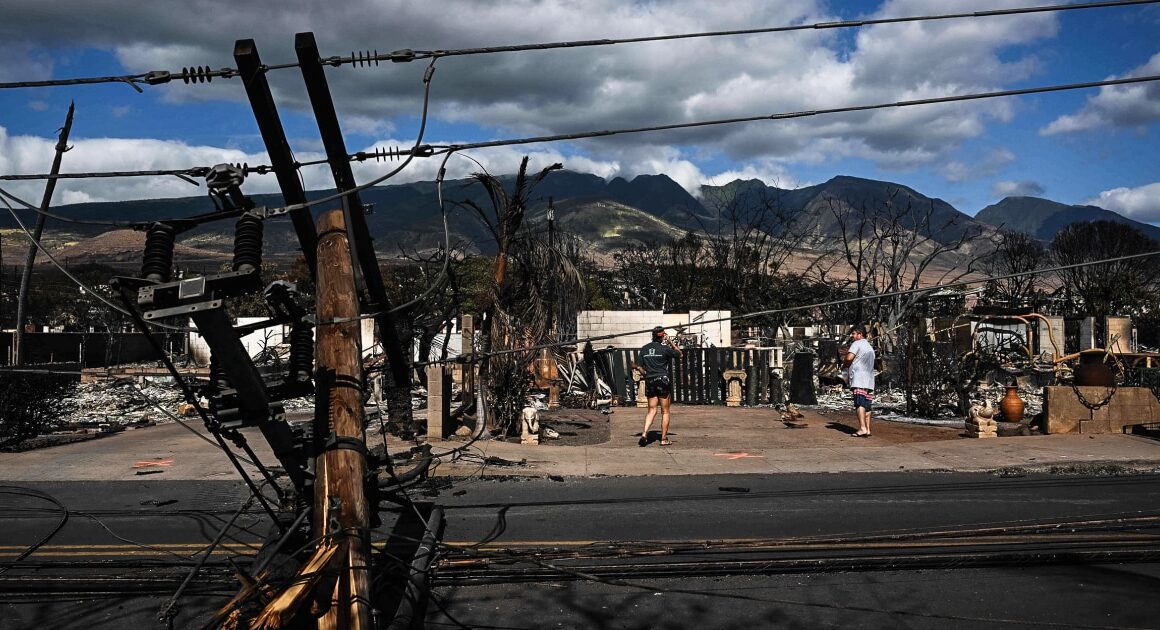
<point x="1095" y="146"/>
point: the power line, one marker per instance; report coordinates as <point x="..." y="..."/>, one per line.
<point x="725" y="121"/>
<point x="359" y="59"/>
<point x="202" y="171"/>
<point x="205" y="74"/>
<point x="802" y="114"/>
<point x="192" y="74"/>
<point x="419" y="150"/>
<point x="790" y="309"/>
<point x="193" y="171"/>
<point x="66" y="272"/>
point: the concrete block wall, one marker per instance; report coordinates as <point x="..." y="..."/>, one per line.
<point x="1119" y="334"/>
<point x="600" y="323"/>
<point x="1064" y="413"/>
<point x="1087" y="333"/>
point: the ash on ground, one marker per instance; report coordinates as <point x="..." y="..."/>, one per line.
<point x="891" y="404"/>
<point x="135" y="402"/>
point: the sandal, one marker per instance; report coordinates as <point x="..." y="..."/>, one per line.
<point x="666" y="443"/>
<point x="861" y="435"/>
<point x="643" y="441"/>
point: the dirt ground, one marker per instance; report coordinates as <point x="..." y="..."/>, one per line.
<point x="887" y="432"/>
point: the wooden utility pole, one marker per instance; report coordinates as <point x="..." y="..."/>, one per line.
<point x="26" y="275"/>
<point x="340" y="504"/>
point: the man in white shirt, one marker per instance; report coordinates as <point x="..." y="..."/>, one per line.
<point x="859" y="360"/>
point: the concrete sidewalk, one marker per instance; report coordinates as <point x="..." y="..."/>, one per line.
<point x="707" y="440"/>
<point x="718" y="440"/>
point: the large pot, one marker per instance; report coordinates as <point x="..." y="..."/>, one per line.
<point x="1012" y="405"/>
<point x="1093" y="371"/>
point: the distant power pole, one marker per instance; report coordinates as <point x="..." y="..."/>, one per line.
<point x="26" y="275"/>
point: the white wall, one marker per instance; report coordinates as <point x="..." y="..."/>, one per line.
<point x="599" y="323"/>
<point x="640" y="323"/>
<point x="271" y="336"/>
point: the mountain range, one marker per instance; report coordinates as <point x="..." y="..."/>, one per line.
<point x="606" y="215"/>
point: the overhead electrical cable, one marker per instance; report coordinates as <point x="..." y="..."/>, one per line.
<point x="80" y="283"/>
<point x="806" y="307"/>
<point x="184" y="173"/>
<point x="205" y="74"/>
<point x="409" y="55"/>
<point x="722" y="121"/>
<point x="804" y="114"/>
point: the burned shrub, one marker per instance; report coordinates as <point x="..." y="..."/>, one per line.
<point x="30" y="405"/>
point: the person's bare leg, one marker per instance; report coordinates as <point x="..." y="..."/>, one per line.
<point x="648" y="417"/>
<point x="863" y="421"/>
<point x="665" y="401"/>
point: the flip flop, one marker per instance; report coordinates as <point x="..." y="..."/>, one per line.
<point x="666" y="443"/>
<point x="643" y="441"/>
<point x="861" y="435"/>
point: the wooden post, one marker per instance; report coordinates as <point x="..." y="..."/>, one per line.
<point x="466" y="347"/>
<point x="340" y="505"/>
<point x="18" y="349"/>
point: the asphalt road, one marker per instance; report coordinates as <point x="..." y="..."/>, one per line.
<point x="906" y="550"/>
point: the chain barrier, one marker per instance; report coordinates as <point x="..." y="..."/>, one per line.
<point x="1090" y="405"/>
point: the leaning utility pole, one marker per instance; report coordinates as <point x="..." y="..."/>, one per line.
<point x="26" y="275"/>
<point x="340" y="502"/>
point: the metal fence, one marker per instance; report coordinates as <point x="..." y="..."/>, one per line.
<point x="698" y="376"/>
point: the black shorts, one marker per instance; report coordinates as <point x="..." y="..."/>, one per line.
<point x="658" y="386"/>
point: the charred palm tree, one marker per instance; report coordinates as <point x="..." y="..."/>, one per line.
<point x="518" y="304"/>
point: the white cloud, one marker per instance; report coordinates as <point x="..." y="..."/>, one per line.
<point x="772" y="174"/>
<point x="1132" y="105"/>
<point x="1017" y="189"/>
<point x="33" y="155"/>
<point x="551" y="92"/>
<point x="990" y="164"/>
<point x="1141" y="203"/>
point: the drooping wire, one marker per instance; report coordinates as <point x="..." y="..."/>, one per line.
<point x="31" y="492"/>
<point x="192" y="399"/>
<point x="807" y="307"/>
<point x="427" y="75"/>
<point x="80" y="283"/>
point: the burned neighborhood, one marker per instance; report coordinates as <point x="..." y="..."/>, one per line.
<point x="485" y="356"/>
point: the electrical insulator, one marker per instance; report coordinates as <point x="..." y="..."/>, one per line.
<point x="157" y="262"/>
<point x="205" y="74"/>
<point x="301" y="352"/>
<point x="248" y="243"/>
<point x="364" y="58"/>
<point x="217" y="376"/>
